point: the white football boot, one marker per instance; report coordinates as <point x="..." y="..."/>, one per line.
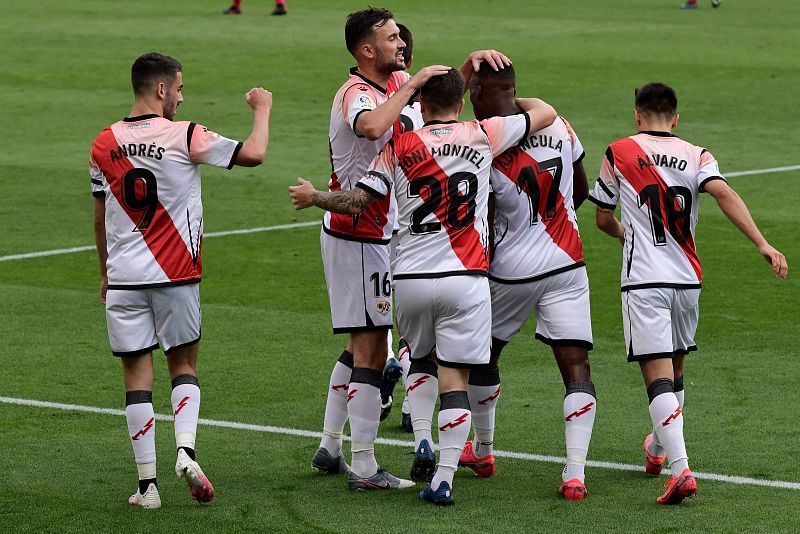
<point x="189" y="471"/>
<point x="150" y="500"/>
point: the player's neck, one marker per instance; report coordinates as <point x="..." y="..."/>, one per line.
<point x="373" y="75"/>
<point x="439" y="117"/>
<point x="654" y="126"/>
<point x="508" y="107"/>
<point x="143" y="107"/>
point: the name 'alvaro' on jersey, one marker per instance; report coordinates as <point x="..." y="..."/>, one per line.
<point x="536" y="228"/>
<point x="657" y="179"/>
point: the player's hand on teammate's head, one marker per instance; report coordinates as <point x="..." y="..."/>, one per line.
<point x="496" y="60"/>
<point x="302" y="194"/>
<point x="780" y="268"/>
<point x="421" y="78"/>
<point x="259" y="98"/>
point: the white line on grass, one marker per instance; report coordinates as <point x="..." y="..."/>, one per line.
<point x="59" y="251"/>
<point x="56" y="252"/>
<point x="398" y="443"/>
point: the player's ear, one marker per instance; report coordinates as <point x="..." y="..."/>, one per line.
<point x="460" y="107"/>
<point x="367" y="50"/>
<point x="161" y="90"/>
<point x="675" y="120"/>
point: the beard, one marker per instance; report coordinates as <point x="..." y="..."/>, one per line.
<point x="170" y="108"/>
<point x="388" y="64"/>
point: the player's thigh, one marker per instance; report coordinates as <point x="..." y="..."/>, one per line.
<point x="463" y="313"/>
<point x="359" y="284"/>
<point x="647" y="321"/>
<point x="512" y="305"/>
<point x="413" y="299"/>
<point x="130" y="321"/>
<point x="177" y="316"/>
<point x="685" y="314"/>
<point x="563" y="314"/>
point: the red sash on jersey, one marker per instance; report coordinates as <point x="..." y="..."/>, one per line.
<point x="560" y="229"/>
<point x="626" y="153"/>
<point x="161" y="236"/>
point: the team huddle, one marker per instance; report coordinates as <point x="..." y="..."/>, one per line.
<point x="468" y="228"/>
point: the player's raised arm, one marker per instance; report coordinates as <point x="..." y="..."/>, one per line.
<point x="374" y="123"/>
<point x="351" y="202"/>
<point x="736" y="211"/>
<point x="255" y="147"/>
<point x="540" y="112"/>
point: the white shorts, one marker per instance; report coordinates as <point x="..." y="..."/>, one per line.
<point x="561" y="305"/>
<point x="359" y="284"/>
<point x="659" y="321"/>
<point x="452" y="314"/>
<point x="139" y="319"/>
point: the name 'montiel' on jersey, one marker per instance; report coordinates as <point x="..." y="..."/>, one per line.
<point x="352" y="153"/>
<point x="536" y="229"/>
<point x="440" y="178"/>
<point x="146" y="168"/>
<point x="657" y="178"/>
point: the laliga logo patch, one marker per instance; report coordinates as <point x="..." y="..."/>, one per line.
<point x="383" y="306"/>
<point x="366" y="101"/>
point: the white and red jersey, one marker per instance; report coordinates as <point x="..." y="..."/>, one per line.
<point x="351" y="154"/>
<point x="440" y="178"/>
<point x="657" y="178"/>
<point x="536" y="230"/>
<point x="146" y="167"/>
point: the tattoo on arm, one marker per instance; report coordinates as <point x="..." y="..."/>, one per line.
<point x="351" y="202"/>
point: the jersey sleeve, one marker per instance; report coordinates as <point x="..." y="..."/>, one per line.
<point x="577" y="148"/>
<point x="358" y="99"/>
<point x="211" y="148"/>
<point x="380" y="173"/>
<point x="97" y="179"/>
<point x="708" y="170"/>
<point x="505" y="132"/>
<point x="606" y="190"/>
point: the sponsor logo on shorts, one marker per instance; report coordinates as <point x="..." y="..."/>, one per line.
<point x="383" y="306"/>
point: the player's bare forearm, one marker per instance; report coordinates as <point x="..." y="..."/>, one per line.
<point x="254" y="148"/>
<point x="609" y="224"/>
<point x="580" y="185"/>
<point x="100" y="242"/>
<point x="373" y="124"/>
<point x="736" y="211"/>
<point x="351" y="202"/>
<point x="540" y="112"/>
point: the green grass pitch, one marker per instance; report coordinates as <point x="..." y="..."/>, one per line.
<point x="267" y="349"/>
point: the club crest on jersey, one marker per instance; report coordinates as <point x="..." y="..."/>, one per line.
<point x="366" y="102"/>
<point x="383" y="306"/>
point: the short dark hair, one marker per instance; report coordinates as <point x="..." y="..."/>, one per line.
<point x="657" y="99"/>
<point x="360" y="25"/>
<point x="405" y="36"/>
<point x="507" y="75"/>
<point x="443" y="92"/>
<point x="152" y="68"/>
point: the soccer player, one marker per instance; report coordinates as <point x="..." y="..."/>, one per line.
<point x="439" y="176"/>
<point x="537" y="268"/>
<point x="657" y="177"/>
<point x="236" y="8"/>
<point x="355" y="249"/>
<point x="397" y="368"/>
<point x="148" y="223"/>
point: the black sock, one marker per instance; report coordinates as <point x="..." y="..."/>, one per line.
<point x="189" y="452"/>
<point x="144" y="483"/>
